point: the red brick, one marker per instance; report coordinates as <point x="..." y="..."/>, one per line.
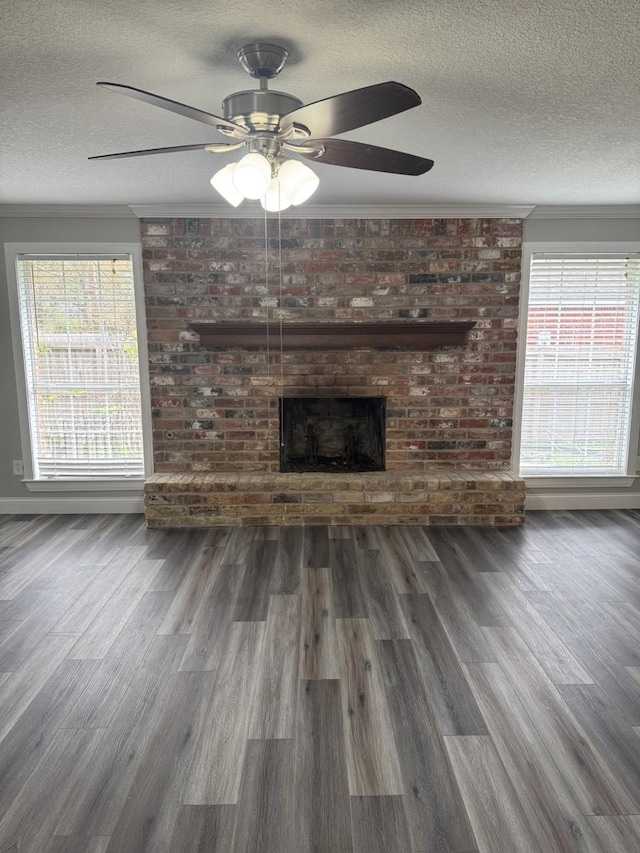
<point x="364" y="278"/>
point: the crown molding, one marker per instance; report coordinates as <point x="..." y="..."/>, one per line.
<point x="383" y="211"/>
<point x="310" y="211"/>
<point x="585" y="211"/>
<point x="70" y="211"/>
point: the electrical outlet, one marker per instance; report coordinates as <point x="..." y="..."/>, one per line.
<point x="18" y="468"/>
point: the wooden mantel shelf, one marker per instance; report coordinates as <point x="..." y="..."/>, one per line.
<point x="422" y="335"/>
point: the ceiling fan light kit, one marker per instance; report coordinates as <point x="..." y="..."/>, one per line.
<point x="268" y="123"/>
<point x="278" y="185"/>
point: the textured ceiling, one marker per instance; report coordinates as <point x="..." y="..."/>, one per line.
<point x="523" y="103"/>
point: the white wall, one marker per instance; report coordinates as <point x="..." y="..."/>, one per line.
<point x="581" y="230"/>
<point x="123" y="228"/>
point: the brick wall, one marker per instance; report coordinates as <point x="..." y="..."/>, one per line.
<point x="217" y="410"/>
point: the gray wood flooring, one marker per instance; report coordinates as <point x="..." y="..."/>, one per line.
<point x="320" y="690"/>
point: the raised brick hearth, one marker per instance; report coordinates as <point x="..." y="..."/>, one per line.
<point x="440" y="498"/>
<point x="215" y="409"/>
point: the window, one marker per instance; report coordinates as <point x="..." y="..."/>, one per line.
<point x="80" y="366"/>
<point x="579" y="365"/>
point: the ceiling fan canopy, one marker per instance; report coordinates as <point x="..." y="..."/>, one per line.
<point x="270" y="123"/>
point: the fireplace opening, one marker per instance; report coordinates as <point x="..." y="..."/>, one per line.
<point x="332" y="434"/>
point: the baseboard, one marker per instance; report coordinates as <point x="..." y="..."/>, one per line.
<point x="89" y="506"/>
<point x="584" y="501"/>
<point x="71" y="505"/>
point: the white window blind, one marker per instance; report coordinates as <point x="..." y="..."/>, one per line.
<point x="580" y="361"/>
<point x="78" y="324"/>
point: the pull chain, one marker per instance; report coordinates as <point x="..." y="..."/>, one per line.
<point x="280" y="303"/>
<point x="268" y="295"/>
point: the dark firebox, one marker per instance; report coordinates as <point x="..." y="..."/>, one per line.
<point x="332" y="434"/>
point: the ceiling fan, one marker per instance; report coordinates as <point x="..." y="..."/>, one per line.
<point x="269" y="123"/>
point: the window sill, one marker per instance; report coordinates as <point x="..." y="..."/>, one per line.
<point x="577" y="482"/>
<point x="84" y="485"/>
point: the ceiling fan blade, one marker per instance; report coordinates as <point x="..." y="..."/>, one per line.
<point x="172" y="106"/>
<point x="169" y="150"/>
<point x="358" y="155"/>
<point x="352" y="109"/>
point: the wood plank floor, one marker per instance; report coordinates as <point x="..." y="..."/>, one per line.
<point x="320" y="690"/>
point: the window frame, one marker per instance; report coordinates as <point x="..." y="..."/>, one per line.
<point x="134" y="250"/>
<point x="590" y="480"/>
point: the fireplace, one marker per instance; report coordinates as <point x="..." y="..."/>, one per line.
<point x="446" y="447"/>
<point x="332" y="434"/>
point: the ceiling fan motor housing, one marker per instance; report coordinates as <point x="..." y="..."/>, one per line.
<point x="259" y="109"/>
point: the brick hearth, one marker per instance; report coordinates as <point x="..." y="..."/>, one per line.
<point x="215" y="410"/>
<point x="441" y="498"/>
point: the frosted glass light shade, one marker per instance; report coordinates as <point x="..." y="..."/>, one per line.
<point x="252" y="175"/>
<point x="275" y="198"/>
<point x="297" y="181"/>
<point x="222" y="181"/>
